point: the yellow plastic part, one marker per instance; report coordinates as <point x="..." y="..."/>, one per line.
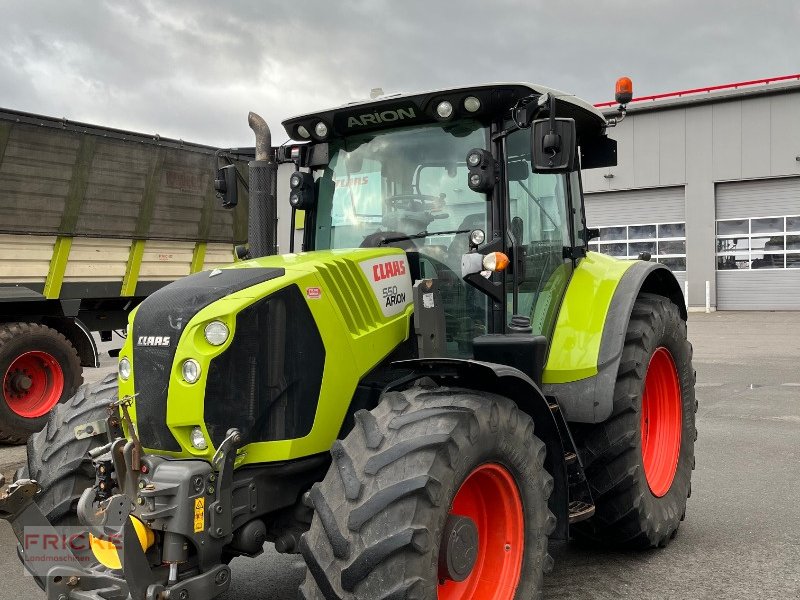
<point x="105" y="551"/>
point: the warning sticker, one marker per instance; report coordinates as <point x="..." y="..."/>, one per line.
<point x="199" y="515"/>
<point x="313" y="293"/>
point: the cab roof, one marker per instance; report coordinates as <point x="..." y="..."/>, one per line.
<point x="496" y="99"/>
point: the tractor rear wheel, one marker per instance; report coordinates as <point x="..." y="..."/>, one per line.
<point x="39" y="368"/>
<point x="437" y="493"/>
<point x="639" y="462"/>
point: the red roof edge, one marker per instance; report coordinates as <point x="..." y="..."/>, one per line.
<point x="701" y="90"/>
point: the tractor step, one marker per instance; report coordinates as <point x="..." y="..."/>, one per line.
<point x="580" y="511"/>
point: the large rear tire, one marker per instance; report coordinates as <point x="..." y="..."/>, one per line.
<point x="639" y="462"/>
<point x="39" y="368"/>
<point x="402" y="482"/>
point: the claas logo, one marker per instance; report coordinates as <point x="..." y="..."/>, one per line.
<point x="392" y="268"/>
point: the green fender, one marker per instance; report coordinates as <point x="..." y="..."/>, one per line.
<point x="582" y="366"/>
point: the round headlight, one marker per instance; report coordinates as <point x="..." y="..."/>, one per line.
<point x="216" y="333"/>
<point x="472" y="104"/>
<point x="477" y="237"/>
<point x="476" y="179"/>
<point x="444" y="109"/>
<point x="198" y="438"/>
<point x="295" y="180"/>
<point x="473" y="159"/>
<point x="321" y="129"/>
<point x="294" y="199"/>
<point x="190" y="370"/>
<point x="124" y="369"/>
<point x="303" y="132"/>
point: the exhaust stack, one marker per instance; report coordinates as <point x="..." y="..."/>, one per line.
<point x="262" y="228"/>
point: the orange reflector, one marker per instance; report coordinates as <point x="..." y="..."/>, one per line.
<point x="624" y="90"/>
<point x="495" y="261"/>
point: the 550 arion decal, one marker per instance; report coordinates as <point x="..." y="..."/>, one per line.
<point x="390" y="281"/>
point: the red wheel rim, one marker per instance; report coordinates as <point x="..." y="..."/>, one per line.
<point x="490" y="497"/>
<point x="33" y="384"/>
<point x="662" y="418"/>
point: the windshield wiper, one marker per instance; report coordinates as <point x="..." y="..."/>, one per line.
<point x="421" y="234"/>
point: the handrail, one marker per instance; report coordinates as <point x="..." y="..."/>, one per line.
<point x="713" y="88"/>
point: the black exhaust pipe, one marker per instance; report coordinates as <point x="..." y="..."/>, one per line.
<point x="262" y="228"/>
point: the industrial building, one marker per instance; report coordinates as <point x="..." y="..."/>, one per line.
<point x="708" y="182"/>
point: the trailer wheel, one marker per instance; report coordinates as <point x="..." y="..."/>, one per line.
<point x="639" y="462"/>
<point x="436" y="493"/>
<point x="39" y="368"/>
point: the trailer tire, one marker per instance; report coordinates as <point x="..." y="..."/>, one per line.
<point x="39" y="368"/>
<point x="398" y="491"/>
<point x="639" y="461"/>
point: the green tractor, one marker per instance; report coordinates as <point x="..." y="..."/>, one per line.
<point x="439" y="384"/>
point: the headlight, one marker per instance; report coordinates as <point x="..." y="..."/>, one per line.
<point x="216" y="333"/>
<point x="303" y="132"/>
<point x="472" y="104"/>
<point x="190" y="370"/>
<point x="321" y="129"/>
<point x="198" y="438"/>
<point x="124" y="369"/>
<point x="477" y="237"/>
<point x="444" y="109"/>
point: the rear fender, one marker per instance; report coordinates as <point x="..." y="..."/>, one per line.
<point x="513" y="384"/>
<point x="590" y="399"/>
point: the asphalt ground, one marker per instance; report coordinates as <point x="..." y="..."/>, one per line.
<point x="741" y="537"/>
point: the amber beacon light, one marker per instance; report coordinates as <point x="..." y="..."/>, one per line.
<point x="624" y="90"/>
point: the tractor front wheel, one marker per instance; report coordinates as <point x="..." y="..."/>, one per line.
<point x="436" y="493"/>
<point x="639" y="462"/>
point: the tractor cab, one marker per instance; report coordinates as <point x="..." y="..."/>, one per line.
<point x="490" y="171"/>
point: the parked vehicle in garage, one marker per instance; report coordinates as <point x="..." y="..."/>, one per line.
<point x="94" y="220"/>
<point x="445" y="380"/>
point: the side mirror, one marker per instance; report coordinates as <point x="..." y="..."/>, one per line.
<point x="301" y="190"/>
<point x="553" y="145"/>
<point x="226" y="186"/>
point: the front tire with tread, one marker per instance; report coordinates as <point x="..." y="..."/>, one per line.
<point x="382" y="507"/>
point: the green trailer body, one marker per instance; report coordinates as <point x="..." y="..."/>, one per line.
<point x="93" y="220"/>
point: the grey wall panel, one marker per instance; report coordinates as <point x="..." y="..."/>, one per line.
<point x="727" y="153"/>
<point x="758" y="198"/>
<point x="785" y="117"/>
<point x="654" y="205"/>
<point x="646" y="149"/>
<point x="700" y="258"/>
<point x="758" y="290"/>
<point x="623" y="172"/>
<point x="756" y="137"/>
<point x="672" y="147"/>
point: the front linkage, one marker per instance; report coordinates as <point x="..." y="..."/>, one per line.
<point x="157" y="526"/>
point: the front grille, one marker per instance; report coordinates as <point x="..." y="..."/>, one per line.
<point x="164" y="314"/>
<point x="267" y="382"/>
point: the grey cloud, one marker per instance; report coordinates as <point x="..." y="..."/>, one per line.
<point x="193" y="69"/>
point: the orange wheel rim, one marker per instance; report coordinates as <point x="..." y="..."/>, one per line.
<point x="662" y="418"/>
<point x="490" y="497"/>
<point x="33" y="384"/>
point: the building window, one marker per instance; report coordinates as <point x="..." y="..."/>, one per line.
<point x="666" y="242"/>
<point x="758" y="243"/>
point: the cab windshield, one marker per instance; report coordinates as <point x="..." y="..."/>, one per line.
<point x="407" y="188"/>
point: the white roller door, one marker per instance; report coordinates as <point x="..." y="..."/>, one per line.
<point x="632" y="221"/>
<point x="758" y="244"/>
<point x="652" y="205"/>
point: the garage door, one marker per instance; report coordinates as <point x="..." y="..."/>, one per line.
<point x="647" y="220"/>
<point x="758" y="245"/>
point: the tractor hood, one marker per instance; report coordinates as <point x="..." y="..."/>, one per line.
<point x="300" y="326"/>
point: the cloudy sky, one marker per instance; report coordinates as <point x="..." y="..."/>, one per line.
<point x="192" y="69"/>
